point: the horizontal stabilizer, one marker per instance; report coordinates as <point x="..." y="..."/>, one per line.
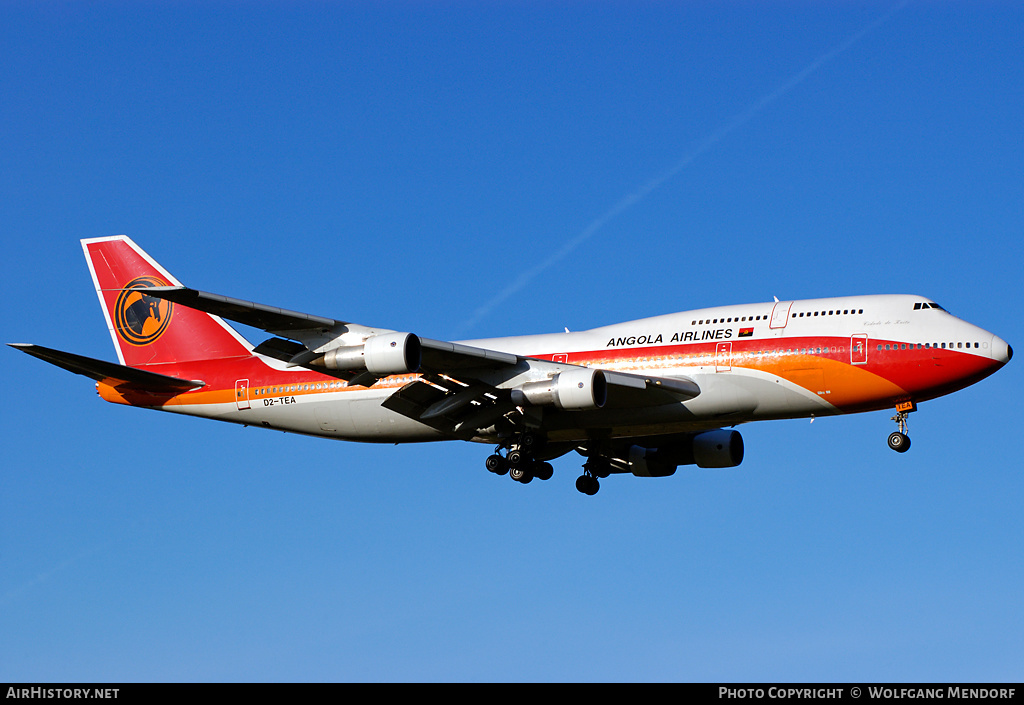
<point x="109" y="372"/>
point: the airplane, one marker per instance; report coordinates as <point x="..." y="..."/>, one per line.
<point x="641" y="397"/>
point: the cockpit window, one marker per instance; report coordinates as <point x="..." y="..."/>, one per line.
<point x="925" y="304"/>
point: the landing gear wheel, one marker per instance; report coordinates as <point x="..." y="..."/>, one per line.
<point x="899" y="442"/>
<point x="588" y="485"/>
<point x="543" y="471"/>
<point x="520" y="474"/>
<point x="496" y="464"/>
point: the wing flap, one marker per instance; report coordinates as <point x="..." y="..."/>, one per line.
<point x="109" y="372"/>
<point x="450" y="406"/>
<point x="411" y="400"/>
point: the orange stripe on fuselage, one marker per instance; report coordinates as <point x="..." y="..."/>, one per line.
<point x="887" y="376"/>
<point x="262" y="389"/>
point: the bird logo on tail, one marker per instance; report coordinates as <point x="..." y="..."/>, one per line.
<point x="141" y="319"/>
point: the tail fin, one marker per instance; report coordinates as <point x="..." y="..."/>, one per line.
<point x="147" y="330"/>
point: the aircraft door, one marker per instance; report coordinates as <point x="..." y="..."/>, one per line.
<point x="780" y="314"/>
<point x="723" y="357"/>
<point x="859" y="348"/>
<point x="242" y="393"/>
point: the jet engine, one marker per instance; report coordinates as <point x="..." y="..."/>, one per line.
<point x="651" y="462"/>
<point x="711" y="449"/>
<point x="718" y="449"/>
<point x="577" y="388"/>
<point x="381" y="355"/>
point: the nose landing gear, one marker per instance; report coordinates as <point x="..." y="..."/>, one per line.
<point x="899" y="441"/>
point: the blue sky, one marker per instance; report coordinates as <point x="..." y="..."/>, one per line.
<point x="465" y="170"/>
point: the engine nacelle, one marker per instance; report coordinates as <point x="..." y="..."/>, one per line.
<point x="381" y="355"/>
<point x="711" y="449"/>
<point x="393" y="354"/>
<point x="574" y="389"/>
<point x="718" y="449"/>
<point x="651" y="462"/>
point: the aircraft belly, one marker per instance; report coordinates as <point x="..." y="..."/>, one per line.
<point x="364" y="419"/>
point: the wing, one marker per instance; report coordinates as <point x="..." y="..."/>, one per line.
<point x="461" y="388"/>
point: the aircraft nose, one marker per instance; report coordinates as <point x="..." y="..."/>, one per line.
<point x="1001" y="350"/>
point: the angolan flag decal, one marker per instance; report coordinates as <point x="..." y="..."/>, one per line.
<point x="746" y="332"/>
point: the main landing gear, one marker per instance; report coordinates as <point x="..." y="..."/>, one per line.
<point x="594" y="468"/>
<point x="899" y="441"/>
<point x="519" y="461"/>
<point x="587" y="484"/>
<point x="517" y="457"/>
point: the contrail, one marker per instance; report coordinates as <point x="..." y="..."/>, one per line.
<point x="41" y="578"/>
<point x="644" y="190"/>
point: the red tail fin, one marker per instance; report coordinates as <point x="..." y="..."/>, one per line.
<point x="147" y="330"/>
